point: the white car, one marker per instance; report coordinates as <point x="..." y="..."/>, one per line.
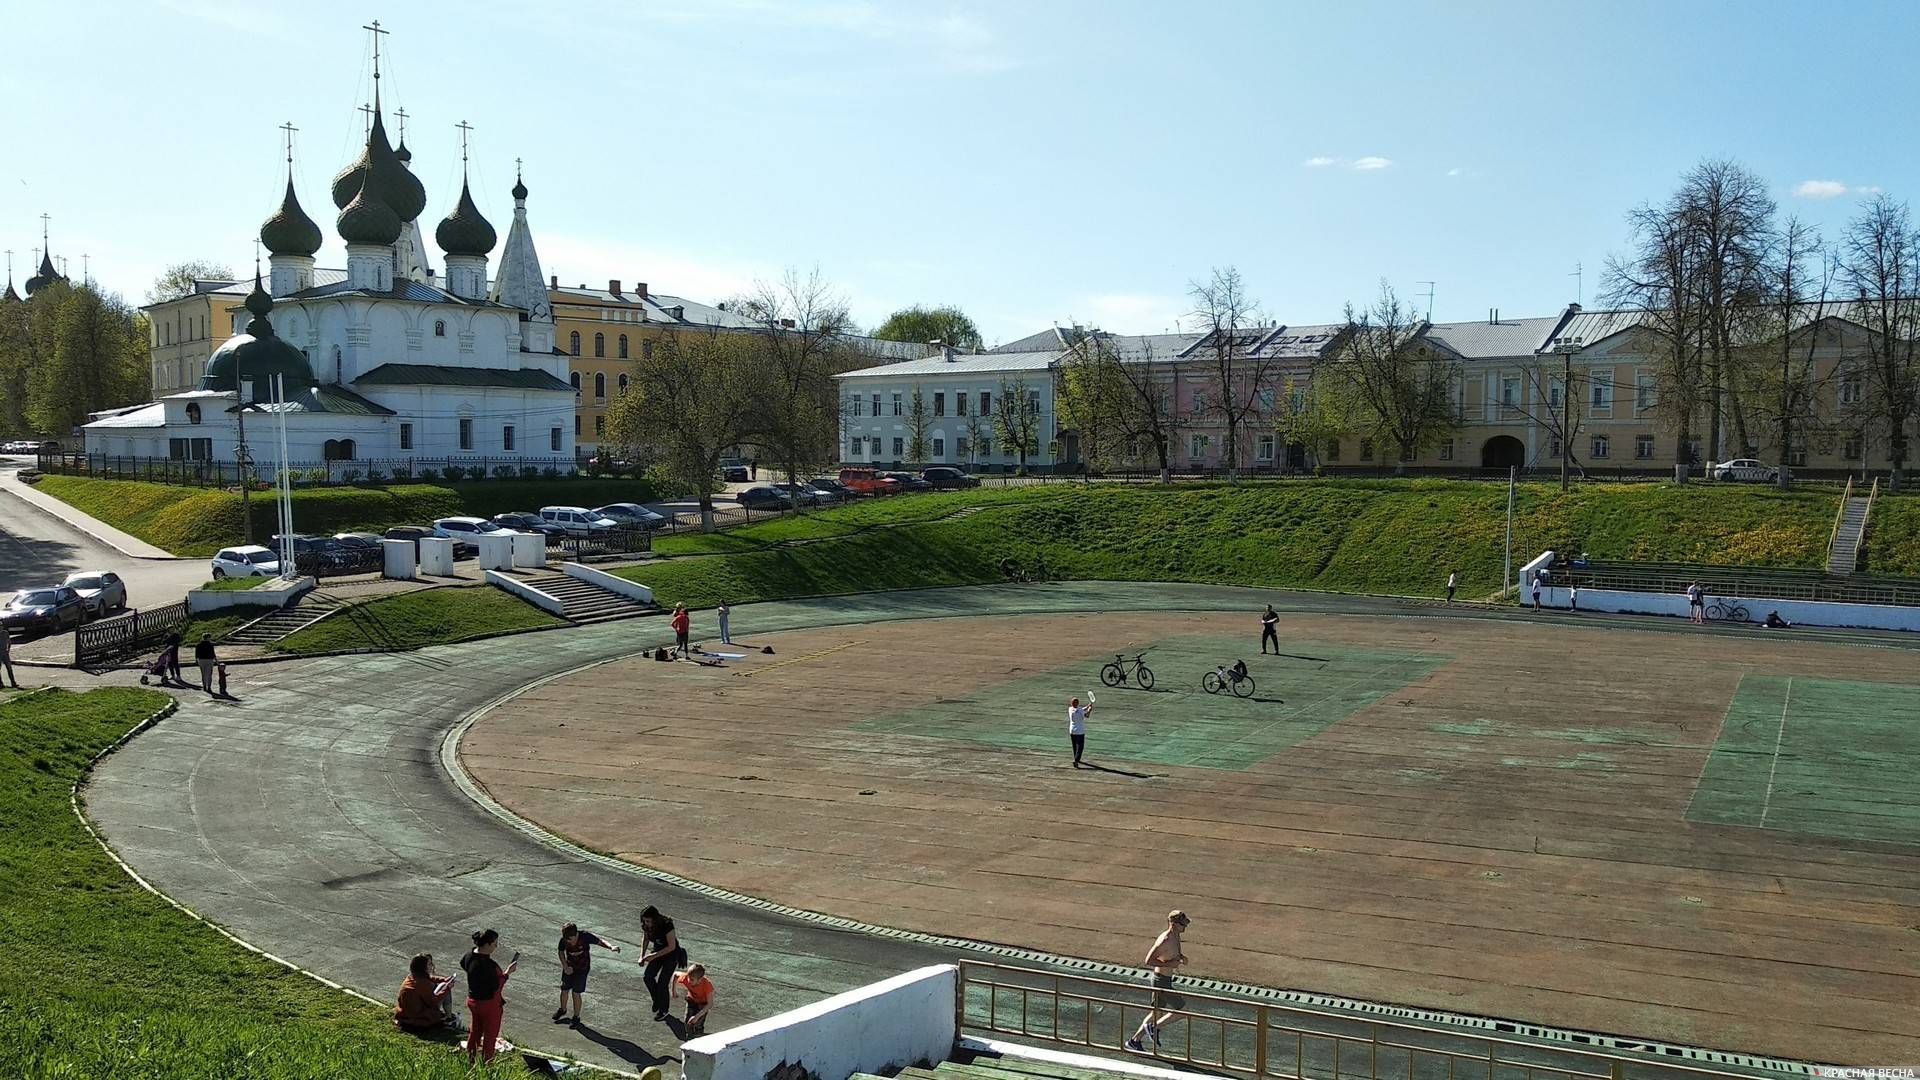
<point x="101" y="589"/>
<point x="249" y="560"/>
<point x="577" y="520"/>
<point x="464" y="532"/>
<point x="1748" y="469"/>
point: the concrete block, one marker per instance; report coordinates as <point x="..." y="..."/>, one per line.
<point x="496" y="550"/>
<point x="399" y="559"/>
<point x="436" y="556"/>
<point x="529" y="549"/>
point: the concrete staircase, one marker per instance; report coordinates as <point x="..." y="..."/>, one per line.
<point x="270" y="628"/>
<point x="586" y="602"/>
<point x="1844" y="557"/>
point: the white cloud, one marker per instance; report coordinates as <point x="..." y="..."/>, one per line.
<point x="1456" y="172"/>
<point x="1369" y="164"/>
<point x="1819" y="189"/>
<point x="1320" y="162"/>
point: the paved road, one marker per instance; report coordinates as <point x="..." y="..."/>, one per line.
<point x="314" y="818"/>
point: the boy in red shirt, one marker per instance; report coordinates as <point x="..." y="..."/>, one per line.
<point x="698" y="989"/>
<point x="681" y="623"/>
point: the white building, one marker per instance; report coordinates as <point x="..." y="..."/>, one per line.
<point x="384" y="366"/>
<point x="957" y="394"/>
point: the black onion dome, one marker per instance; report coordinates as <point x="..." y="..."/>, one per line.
<point x="257" y="354"/>
<point x="290" y="231"/>
<point x="519" y="188"/>
<point x="405" y="155"/>
<point x="381" y="169"/>
<point x="465" y="231"/>
<point x="368" y="220"/>
<point x="47" y="275"/>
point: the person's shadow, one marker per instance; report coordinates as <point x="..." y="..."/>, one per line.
<point x="1115" y="772"/>
<point x="625" y="1049"/>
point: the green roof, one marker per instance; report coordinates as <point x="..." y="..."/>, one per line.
<point x="435" y="375"/>
<point x="334" y="398"/>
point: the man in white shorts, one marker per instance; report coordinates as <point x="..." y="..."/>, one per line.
<point x="1077" y="727"/>
<point x="1696" y="603"/>
<point x="1162" y="959"/>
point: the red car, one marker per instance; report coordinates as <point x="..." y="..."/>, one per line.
<point x="867" y="482"/>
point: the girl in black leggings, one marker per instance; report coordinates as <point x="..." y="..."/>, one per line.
<point x="662" y="955"/>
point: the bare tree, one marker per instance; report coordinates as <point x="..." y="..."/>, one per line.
<point x="177" y="280"/>
<point x="976" y="427"/>
<point x="1729" y="219"/>
<point x="1553" y="403"/>
<point x="1659" y="277"/>
<point x="796" y="418"/>
<point x="1094" y="398"/>
<point x="1016" y="419"/>
<point x="919" y="427"/>
<point x="1145" y="410"/>
<point x="1401" y="386"/>
<point x="1784" y="333"/>
<point x="1238" y="373"/>
<point x="1881" y="263"/>
<point x="693" y="400"/>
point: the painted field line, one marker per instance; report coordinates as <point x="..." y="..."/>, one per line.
<point x="797" y="660"/>
<point x="1778" y="739"/>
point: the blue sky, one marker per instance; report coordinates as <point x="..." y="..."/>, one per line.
<point x="1034" y="162"/>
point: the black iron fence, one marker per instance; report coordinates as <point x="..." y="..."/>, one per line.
<point x="339" y="562"/>
<point x="215" y="473"/>
<point x="609" y="544"/>
<point x="123" y="636"/>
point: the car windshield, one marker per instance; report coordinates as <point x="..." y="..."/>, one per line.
<point x="36" y="598"/>
<point x="85" y="583"/>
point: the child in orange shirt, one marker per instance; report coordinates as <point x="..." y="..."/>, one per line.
<point x="698" y="989"/>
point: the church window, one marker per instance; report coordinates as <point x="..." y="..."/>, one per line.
<point x="439" y="328"/>
<point x="600" y="386"/>
<point x="573" y="340"/>
<point x="506" y="438"/>
<point x="466" y="433"/>
<point x="599" y="344"/>
<point x="574" y="378"/>
<point x="576" y="425"/>
<point x="338" y="450"/>
<point x="406" y="436"/>
<point x="553" y="440"/>
<point x="193" y="412"/>
<point x="623" y="383"/>
<point x="599" y="426"/>
<point x="646" y="350"/>
<point x="623" y="347"/>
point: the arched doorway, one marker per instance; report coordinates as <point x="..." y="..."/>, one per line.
<point x="1502" y="451"/>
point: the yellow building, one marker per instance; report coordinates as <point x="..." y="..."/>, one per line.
<point x="187" y="330"/>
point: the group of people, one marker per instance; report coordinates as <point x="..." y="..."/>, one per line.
<point x="682" y="624"/>
<point x="166" y="665"/>
<point x="425" y="1002"/>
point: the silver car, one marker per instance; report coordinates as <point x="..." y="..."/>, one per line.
<point x="1752" y="470"/>
<point x="102" y="590"/>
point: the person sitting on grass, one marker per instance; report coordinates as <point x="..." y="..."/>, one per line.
<point x="694" y="985"/>
<point x="425" y="1003"/>
<point x="1775" y="622"/>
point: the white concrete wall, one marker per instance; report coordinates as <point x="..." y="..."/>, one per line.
<point x="276" y="592"/>
<point x="526" y="592"/>
<point x="899" y="1021"/>
<point x="1797" y="612"/>
<point x="610" y="582"/>
<point x="949" y="428"/>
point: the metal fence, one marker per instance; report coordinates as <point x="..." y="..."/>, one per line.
<point x="1742" y="582"/>
<point x="377" y="471"/>
<point x="122" y="636"/>
<point x="609" y="544"/>
<point x="1239" y="1037"/>
<point x="339" y="562"/>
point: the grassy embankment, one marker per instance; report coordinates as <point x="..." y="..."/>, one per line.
<point x="100" y="978"/>
<point x="417" y="619"/>
<point x="1893" y="537"/>
<point x="199" y="521"/>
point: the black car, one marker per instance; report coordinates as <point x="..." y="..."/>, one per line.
<point x="833" y="489"/>
<point x="948" y="478"/>
<point x="409" y="532"/>
<point x="764" y="498"/>
<point x="909" y="482"/>
<point x="520" y="521"/>
<point x="33" y="612"/>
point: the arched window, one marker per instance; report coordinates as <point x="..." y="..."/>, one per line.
<point x="193" y="412"/>
<point x="574" y="378"/>
<point x="623" y="352"/>
<point x="439" y="328"/>
<point x="573" y="340"/>
<point x="599" y="384"/>
<point x="599" y="344"/>
<point x="623" y="383"/>
<point x="338" y="450"/>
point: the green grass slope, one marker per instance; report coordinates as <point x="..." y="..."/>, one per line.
<point x="417" y="619"/>
<point x="99" y="978"/>
<point x="1893" y="537"/>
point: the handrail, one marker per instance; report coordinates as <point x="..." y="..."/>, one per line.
<point x="1865" y="520"/>
<point x="1839" y="516"/>
<point x="1269" y="1039"/>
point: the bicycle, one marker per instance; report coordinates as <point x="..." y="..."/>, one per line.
<point x="1115" y="674"/>
<point x="1729" y="610"/>
<point x="1225" y="678"/>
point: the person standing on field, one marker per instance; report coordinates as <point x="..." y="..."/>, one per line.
<point x="1268" y="631"/>
<point x="204" y="656"/>
<point x="576" y="960"/>
<point x="726" y="637"/>
<point x="1697" y="604"/>
<point x="681" y="622"/>
<point x="1077" y="727"/>
<point x="1165" y="955"/>
<point x="1453" y="582"/>
<point x="1536" y="592"/>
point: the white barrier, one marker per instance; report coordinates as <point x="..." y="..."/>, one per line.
<point x="436" y="556"/>
<point x="613" y="583"/>
<point x="398" y="559"/>
<point x="1797" y="612"/>
<point x="896" y="1022"/>
<point x="274" y="592"/>
<point x="524" y="591"/>
<point x="529" y="550"/>
<point x="496" y="550"/>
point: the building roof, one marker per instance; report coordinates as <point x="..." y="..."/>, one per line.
<point x="151" y="415"/>
<point x="1298" y="342"/>
<point x="1136" y="348"/>
<point x="403" y="289"/>
<point x="1485" y="340"/>
<point x="438" y="375"/>
<point x="1584" y="328"/>
<point x="657" y="307"/>
<point x="963" y="364"/>
<point x="333" y="398"/>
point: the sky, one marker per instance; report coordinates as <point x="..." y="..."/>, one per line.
<point x="1035" y="162"/>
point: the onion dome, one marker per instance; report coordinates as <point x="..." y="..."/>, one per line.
<point x="46" y="276"/>
<point x="519" y="189"/>
<point x="465" y="231"/>
<point x="381" y="170"/>
<point x="290" y="231"/>
<point x="368" y="220"/>
<point x="405" y="155"/>
<point x="257" y="354"/>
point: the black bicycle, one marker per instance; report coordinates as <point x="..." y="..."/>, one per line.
<point x="1729" y="610"/>
<point x="1115" y="674"/>
<point x="1227" y="677"/>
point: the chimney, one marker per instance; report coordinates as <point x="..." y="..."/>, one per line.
<point x="613" y="286"/>
<point x="640" y="289"/>
<point x="948" y="352"/>
<point x="553" y="282"/>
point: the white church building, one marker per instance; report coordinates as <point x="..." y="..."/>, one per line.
<point x="387" y="366"/>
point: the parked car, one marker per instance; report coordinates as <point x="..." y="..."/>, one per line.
<point x="408" y="532"/>
<point x="804" y="494"/>
<point x="764" y="497"/>
<point x="250" y="560"/>
<point x="577" y="520"/>
<point x="101" y="589"/>
<point x="632" y="516"/>
<point x="310" y="550"/>
<point x="464" y="532"/>
<point x="359" y="541"/>
<point x="521" y="521"/>
<point x="832" y="488"/>
<point x="33" y="612"/>
<point x="908" y="481"/>
<point x="948" y="478"/>
<point x="864" y="482"/>
<point x="1746" y="469"/>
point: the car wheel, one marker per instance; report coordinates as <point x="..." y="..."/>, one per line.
<point x="219" y="574"/>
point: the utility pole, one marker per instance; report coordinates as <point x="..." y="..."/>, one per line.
<point x="1506" y="566"/>
<point x="1566" y="351"/>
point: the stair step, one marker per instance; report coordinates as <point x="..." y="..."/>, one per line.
<point x="586" y="602"/>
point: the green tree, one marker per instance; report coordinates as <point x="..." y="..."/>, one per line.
<point x="1400" y="385"/>
<point x="947" y="325"/>
<point x="88" y="352"/>
<point x="1016" y="420"/>
<point x="1095" y="400"/>
<point x="177" y="280"/>
<point x="690" y="403"/>
<point x="796" y="414"/>
<point x="919" y="427"/>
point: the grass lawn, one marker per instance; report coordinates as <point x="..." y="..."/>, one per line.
<point x="234" y="584"/>
<point x="417" y="619"/>
<point x="1893" y="536"/>
<point x="100" y="978"/>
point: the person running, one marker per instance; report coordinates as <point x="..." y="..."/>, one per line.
<point x="663" y="956"/>
<point x="576" y="959"/>
<point x="698" y="990"/>
<point x="726" y="637"/>
<point x="1453" y="582"/>
<point x="486" y="981"/>
<point x="681" y="624"/>
<point x="1269" y="623"/>
<point x="1077" y="727"/>
<point x="203" y="656"/>
<point x="1162" y="959"/>
<point x="1697" y="604"/>
<point x="6" y="657"/>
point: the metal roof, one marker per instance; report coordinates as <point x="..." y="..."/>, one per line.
<point x="412" y="291"/>
<point x="1309" y="342"/>
<point x="962" y="364"/>
<point x="1586" y="328"/>
<point x="332" y="398"/>
<point x="151" y="415"/>
<point x="1487" y="340"/>
<point x="437" y="375"/>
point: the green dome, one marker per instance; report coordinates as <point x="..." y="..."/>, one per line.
<point x="368" y="220"/>
<point x="380" y="169"/>
<point x="465" y="231"/>
<point x="290" y="231"/>
<point x="258" y="354"/>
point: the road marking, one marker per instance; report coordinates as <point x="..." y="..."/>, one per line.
<point x="1766" y="803"/>
<point x="797" y="659"/>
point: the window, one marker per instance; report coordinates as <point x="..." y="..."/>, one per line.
<point x="1600" y="446"/>
<point x="1797" y="457"/>
<point x="1553" y="447"/>
<point x="1333" y="450"/>
<point x="553" y="440"/>
<point x="960" y="446"/>
<point x="193" y="412"/>
<point x="1853" y="447"/>
<point x="1644" y="397"/>
<point x="856" y="441"/>
<point x="1265" y="398"/>
<point x="1643" y="447"/>
<point x="646" y="350"/>
<point x="1197" y="446"/>
<point x="1602" y="395"/>
<point x="1850" y="388"/>
<point x="1366" y="449"/>
<point x="1263" y="448"/>
<point x="573" y="343"/>
<point x="599" y="426"/>
<point x="623" y="346"/>
<point x="439" y="328"/>
<point x="859" y="406"/>
<point x="599" y="386"/>
<point x="939" y="447"/>
<point x="466" y="433"/>
<point x="876" y="405"/>
<point x="599" y="344"/>
<point x="406" y="436"/>
<point x="576" y="425"/>
<point x="1197" y="401"/>
<point x="1509" y="393"/>
<point x="896" y="411"/>
<point x="506" y="438"/>
<point x="574" y="378"/>
<point x="1553" y="394"/>
<point x="1033" y="401"/>
<point x="986" y="447"/>
<point x="986" y="403"/>
<point x="1297" y="402"/>
<point x="960" y="404"/>
<point x="939" y="403"/>
<point x="623" y="382"/>
<point x="899" y="444"/>
<point x="1446" y="450"/>
<point x="338" y="450"/>
<point x="190" y="449"/>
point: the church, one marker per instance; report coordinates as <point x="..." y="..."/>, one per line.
<point x="387" y="365"/>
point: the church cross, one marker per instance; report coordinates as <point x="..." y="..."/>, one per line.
<point x="366" y="117"/>
<point x="401" y="115"/>
<point x="289" y="129"/>
<point x="465" y="130"/>
<point x="43" y="228"/>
